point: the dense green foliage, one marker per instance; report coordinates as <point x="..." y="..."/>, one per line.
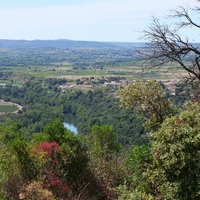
<point x="98" y="108"/>
<point x="176" y="148"/>
<point x="41" y="159"/>
<point x="44" y="101"/>
<point x="55" y="160"/>
<point x="147" y="97"/>
<point x="169" y="168"/>
<point x="65" y="165"/>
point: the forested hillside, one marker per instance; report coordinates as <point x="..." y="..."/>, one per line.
<point x="111" y="157"/>
<point x="41" y="104"/>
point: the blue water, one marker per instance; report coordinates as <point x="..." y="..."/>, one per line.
<point x="70" y="127"/>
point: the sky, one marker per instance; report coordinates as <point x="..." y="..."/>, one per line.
<point x="88" y="20"/>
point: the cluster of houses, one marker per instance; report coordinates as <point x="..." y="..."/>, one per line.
<point x="105" y="84"/>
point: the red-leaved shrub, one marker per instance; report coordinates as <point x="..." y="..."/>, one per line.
<point x="48" y="148"/>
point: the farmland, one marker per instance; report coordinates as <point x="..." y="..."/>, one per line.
<point x="8" y="107"/>
<point x="17" y="74"/>
<point x="86" y="66"/>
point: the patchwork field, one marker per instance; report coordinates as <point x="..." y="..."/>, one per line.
<point x="18" y="74"/>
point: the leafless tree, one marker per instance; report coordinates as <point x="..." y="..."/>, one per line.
<point x="166" y="46"/>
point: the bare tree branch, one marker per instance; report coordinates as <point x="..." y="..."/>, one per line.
<point x="183" y="14"/>
<point x="165" y="45"/>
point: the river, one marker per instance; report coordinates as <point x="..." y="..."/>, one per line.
<point x="70" y="123"/>
<point x="70" y="127"/>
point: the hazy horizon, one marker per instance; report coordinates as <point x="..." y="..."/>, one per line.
<point x="83" y="20"/>
<point x="70" y="40"/>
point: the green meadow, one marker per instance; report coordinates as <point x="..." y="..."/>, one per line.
<point x="8" y="109"/>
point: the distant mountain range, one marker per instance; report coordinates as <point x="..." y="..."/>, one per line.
<point x="63" y="43"/>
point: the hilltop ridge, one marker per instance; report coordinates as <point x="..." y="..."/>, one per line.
<point x="61" y="43"/>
